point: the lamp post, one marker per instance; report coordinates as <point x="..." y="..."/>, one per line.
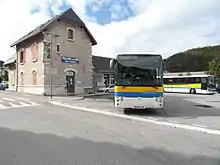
<point x="48" y="38"/>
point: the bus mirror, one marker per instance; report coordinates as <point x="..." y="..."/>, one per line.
<point x="112" y="63"/>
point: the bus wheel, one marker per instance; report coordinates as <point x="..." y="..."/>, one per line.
<point x="127" y="111"/>
<point x="192" y="91"/>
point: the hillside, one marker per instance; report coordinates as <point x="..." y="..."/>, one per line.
<point x="192" y="60"/>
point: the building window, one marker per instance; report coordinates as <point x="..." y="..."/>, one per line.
<point x="34" y="52"/>
<point x="106" y="79"/>
<point x="22" y="78"/>
<point x="34" y="77"/>
<point x="58" y="48"/>
<point x="71" y="33"/>
<point x="22" y="57"/>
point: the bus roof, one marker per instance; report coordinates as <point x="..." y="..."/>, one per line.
<point x="187" y="76"/>
<point x="138" y="53"/>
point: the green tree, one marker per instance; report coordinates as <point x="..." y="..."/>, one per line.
<point x="1" y="79"/>
<point x="214" y="66"/>
<point x="5" y="75"/>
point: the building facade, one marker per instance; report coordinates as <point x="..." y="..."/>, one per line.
<point x="56" y="57"/>
<point x="103" y="74"/>
<point x="10" y="66"/>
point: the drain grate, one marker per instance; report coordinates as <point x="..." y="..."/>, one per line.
<point x="201" y="105"/>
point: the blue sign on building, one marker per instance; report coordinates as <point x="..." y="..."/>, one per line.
<point x="71" y="60"/>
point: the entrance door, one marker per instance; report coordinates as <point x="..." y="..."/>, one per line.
<point x="70" y="82"/>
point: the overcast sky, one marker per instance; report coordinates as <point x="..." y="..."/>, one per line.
<point x="162" y="26"/>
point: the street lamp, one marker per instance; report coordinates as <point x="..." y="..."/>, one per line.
<point x="48" y="38"/>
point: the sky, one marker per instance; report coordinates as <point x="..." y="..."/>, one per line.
<point x="160" y="26"/>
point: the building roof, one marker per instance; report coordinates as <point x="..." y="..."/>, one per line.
<point x="101" y="63"/>
<point x="68" y="15"/>
<point x="10" y="60"/>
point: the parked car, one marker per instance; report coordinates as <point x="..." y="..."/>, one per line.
<point x="2" y="87"/>
<point x="109" y="89"/>
<point x="5" y="83"/>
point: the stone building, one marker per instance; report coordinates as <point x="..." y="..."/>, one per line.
<point x="56" y="57"/>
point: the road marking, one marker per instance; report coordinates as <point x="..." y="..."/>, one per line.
<point x="198" y="125"/>
<point x="172" y="121"/>
<point x="24" y="104"/>
<point x="14" y="105"/>
<point x="8" y="99"/>
<point x="164" y="123"/>
<point x="33" y="103"/>
<point x="151" y="118"/>
<point x="3" y="106"/>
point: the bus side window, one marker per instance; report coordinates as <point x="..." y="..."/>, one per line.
<point x="204" y="80"/>
<point x="192" y="80"/>
<point x="198" y="80"/>
<point x="165" y="81"/>
<point x="170" y="81"/>
<point x="181" y="80"/>
<point x="184" y="80"/>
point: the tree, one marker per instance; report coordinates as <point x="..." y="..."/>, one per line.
<point x="214" y="66"/>
<point x="5" y="75"/>
<point x="1" y="79"/>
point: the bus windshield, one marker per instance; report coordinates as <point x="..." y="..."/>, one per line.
<point x="138" y="70"/>
<point x="211" y="81"/>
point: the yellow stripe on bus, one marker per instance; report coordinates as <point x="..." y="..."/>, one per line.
<point x="137" y="89"/>
<point x="182" y="85"/>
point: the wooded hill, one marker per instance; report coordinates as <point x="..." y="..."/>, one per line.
<point x="192" y="60"/>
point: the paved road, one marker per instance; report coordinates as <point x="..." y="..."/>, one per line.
<point x="196" y="110"/>
<point x="52" y="135"/>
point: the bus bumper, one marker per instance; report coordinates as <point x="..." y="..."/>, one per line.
<point x="138" y="102"/>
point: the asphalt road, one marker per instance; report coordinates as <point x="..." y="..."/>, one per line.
<point x="52" y="135"/>
<point x="200" y="110"/>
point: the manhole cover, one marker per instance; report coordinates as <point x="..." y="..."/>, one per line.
<point x="205" y="106"/>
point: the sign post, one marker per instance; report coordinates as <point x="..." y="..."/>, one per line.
<point x="48" y="37"/>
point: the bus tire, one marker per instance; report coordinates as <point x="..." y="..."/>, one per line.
<point x="127" y="111"/>
<point x="192" y="91"/>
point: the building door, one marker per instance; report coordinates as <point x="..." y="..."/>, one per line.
<point x="70" y="81"/>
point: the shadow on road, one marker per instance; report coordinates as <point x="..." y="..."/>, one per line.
<point x="21" y="147"/>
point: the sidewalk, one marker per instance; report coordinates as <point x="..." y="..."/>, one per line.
<point x="66" y="98"/>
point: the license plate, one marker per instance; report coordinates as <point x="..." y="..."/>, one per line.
<point x="139" y="107"/>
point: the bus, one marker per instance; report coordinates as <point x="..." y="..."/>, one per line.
<point x="193" y="84"/>
<point x="138" y="80"/>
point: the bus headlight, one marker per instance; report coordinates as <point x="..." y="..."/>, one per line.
<point x="159" y="99"/>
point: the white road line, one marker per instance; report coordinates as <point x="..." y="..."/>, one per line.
<point x="3" y="106"/>
<point x="198" y="125"/>
<point x="8" y="99"/>
<point x="164" y="123"/>
<point x="172" y="121"/>
<point x="24" y="104"/>
<point x="14" y="105"/>
<point x="33" y="103"/>
<point x="151" y="118"/>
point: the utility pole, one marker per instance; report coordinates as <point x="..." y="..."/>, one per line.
<point x="48" y="38"/>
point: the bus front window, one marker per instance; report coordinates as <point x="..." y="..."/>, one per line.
<point x="135" y="73"/>
<point x="211" y="81"/>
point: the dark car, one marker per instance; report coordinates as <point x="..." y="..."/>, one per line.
<point x="2" y="87"/>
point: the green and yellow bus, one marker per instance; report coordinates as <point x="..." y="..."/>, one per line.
<point x="200" y="84"/>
